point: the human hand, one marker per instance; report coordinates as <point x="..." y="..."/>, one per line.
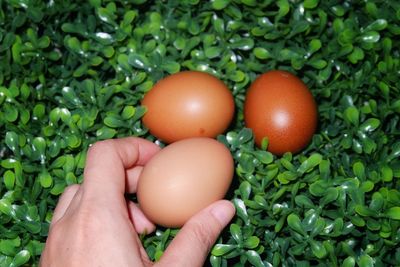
<point x="94" y="225"/>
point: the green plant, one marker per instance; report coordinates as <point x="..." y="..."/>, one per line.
<point x="73" y="72"/>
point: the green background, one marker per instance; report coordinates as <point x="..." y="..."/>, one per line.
<point x="74" y="72"/>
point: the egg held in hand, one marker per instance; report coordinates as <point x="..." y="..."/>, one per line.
<point x="188" y="104"/>
<point x="279" y="106"/>
<point x="182" y="179"/>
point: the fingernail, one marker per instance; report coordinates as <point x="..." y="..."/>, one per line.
<point x="223" y="212"/>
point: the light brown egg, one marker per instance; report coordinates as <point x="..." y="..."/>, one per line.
<point x="188" y="104"/>
<point x="183" y="178"/>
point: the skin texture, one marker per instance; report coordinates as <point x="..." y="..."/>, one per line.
<point x="279" y="106"/>
<point x="191" y="174"/>
<point x="94" y="225"/>
<point x="188" y="104"/>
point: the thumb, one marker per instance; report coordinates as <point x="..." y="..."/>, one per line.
<point x="193" y="242"/>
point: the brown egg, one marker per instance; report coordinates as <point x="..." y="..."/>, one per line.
<point x="279" y="106"/>
<point x="188" y="104"/>
<point x="183" y="178"/>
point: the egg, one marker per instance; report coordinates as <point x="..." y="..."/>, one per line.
<point x="188" y="104"/>
<point x="279" y="106"/>
<point x="183" y="178"/>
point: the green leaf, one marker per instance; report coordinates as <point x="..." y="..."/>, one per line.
<point x="370" y="125"/>
<point x="295" y="223"/>
<point x="359" y="170"/>
<point x="138" y="61"/>
<point x="261" y="53"/>
<point x="309" y="220"/>
<point x="215" y="261"/>
<point x="20" y="258"/>
<point x="74" y="44"/>
<point x="219" y="27"/>
<point x="11" y="141"/>
<point x="45" y="179"/>
<point x="351" y="115"/>
<point x="387" y="173"/>
<point x="9" y="179"/>
<point x="222" y="249"/>
<point x="319" y="187"/>
<point x="318" y="63"/>
<point x="57" y="189"/>
<point x="318" y="227"/>
<point x="35" y="14"/>
<point x="287" y="176"/>
<point x="128" y="112"/>
<point x="284" y="9"/>
<point x="254" y="258"/>
<point x="5" y="207"/>
<point x="370" y="37"/>
<point x="44" y="42"/>
<point x="108" y="51"/>
<point x="310" y="163"/>
<point x="346" y="36"/>
<point x="220" y="4"/>
<point x="366" y="261"/>
<point x="70" y="178"/>
<point x="10" y="113"/>
<point x="349" y="262"/>
<point x="73" y="141"/>
<point x="171" y="67"/>
<point x="331" y="194"/>
<point x="303" y="201"/>
<point x="377" y="201"/>
<point x="70" y="95"/>
<point x="393" y="213"/>
<point x="261" y="202"/>
<point x="367" y="186"/>
<point x="364" y="211"/>
<point x="241" y="210"/>
<point x="236" y="233"/>
<point x="314" y="46"/>
<point x="129" y="16"/>
<point x="39" y="148"/>
<point x="318" y="249"/>
<point x="245" y="190"/>
<point x="287" y="164"/>
<point x="237" y="76"/>
<point x="9" y="246"/>
<point x="105" y="14"/>
<point x="113" y="121"/>
<point x="212" y="52"/>
<point x="251" y="242"/>
<point x="243" y="44"/>
<point x="105" y="133"/>
<point x="357" y="55"/>
<point x="310" y="4"/>
<point x="39" y="110"/>
<point x="264" y="157"/>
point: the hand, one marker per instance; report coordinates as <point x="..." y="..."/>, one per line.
<point x="94" y="225"/>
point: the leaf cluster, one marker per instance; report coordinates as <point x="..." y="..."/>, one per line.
<point x="74" y="72"/>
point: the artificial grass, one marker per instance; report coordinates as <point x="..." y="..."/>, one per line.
<point x="74" y="72"/>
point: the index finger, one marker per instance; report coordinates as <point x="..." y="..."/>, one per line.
<point x="108" y="160"/>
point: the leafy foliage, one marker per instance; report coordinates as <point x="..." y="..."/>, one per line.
<point x="74" y="72"/>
